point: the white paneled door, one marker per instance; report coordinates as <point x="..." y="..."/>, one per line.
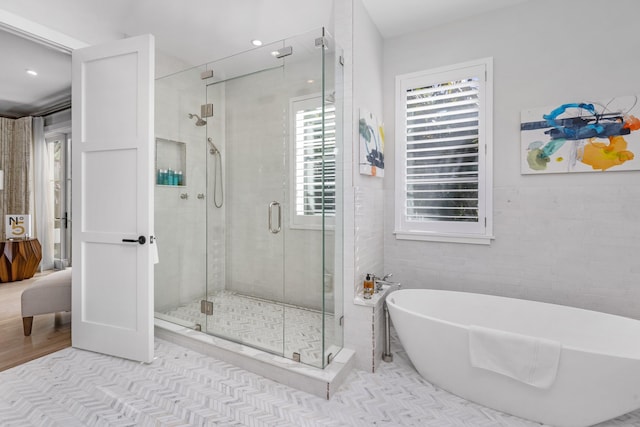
<point x="113" y="159"/>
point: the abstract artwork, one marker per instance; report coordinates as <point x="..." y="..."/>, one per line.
<point x="581" y="137"/>
<point x="371" y="145"/>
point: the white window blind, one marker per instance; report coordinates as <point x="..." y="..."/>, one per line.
<point x="442" y="134"/>
<point x="442" y="152"/>
<point x="314" y="165"/>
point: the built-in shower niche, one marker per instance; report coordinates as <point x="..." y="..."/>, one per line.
<point x="171" y="162"/>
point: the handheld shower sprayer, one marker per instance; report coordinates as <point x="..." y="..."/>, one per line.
<point x="199" y="121"/>
<point x="213" y="149"/>
<point x="217" y="175"/>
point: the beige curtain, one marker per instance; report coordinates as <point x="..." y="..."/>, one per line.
<point x="16" y="146"/>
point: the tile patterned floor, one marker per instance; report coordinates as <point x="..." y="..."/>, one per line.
<point x="274" y="327"/>
<point x="184" y="388"/>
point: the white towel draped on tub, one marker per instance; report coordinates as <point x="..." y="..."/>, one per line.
<point x="532" y="360"/>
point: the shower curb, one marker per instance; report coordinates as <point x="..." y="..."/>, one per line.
<point x="320" y="382"/>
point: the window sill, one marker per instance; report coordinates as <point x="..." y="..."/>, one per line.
<point x="447" y="238"/>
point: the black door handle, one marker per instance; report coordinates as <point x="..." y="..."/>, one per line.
<point x="142" y="240"/>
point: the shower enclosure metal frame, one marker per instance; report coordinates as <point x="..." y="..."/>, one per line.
<point x="252" y="163"/>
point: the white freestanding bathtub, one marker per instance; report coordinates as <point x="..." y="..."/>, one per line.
<point x="598" y="371"/>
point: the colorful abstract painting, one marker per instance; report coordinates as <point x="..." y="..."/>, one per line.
<point x="581" y="137"/>
<point x="371" y="145"/>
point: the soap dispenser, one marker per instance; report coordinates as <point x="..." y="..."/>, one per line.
<point x="368" y="287"/>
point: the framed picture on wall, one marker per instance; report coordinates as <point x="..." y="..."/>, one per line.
<point x="581" y="136"/>
<point x="371" y="145"/>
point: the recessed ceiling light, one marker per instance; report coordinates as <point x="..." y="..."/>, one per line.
<point x="31" y="72"/>
<point x="256" y="42"/>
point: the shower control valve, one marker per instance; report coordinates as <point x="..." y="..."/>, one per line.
<point x="184" y="196"/>
<point x="200" y="196"/>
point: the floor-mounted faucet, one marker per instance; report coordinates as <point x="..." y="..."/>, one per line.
<point x="387" y="356"/>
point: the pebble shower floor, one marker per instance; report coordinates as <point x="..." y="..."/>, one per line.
<point x="267" y="325"/>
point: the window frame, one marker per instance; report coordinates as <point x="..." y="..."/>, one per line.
<point x="305" y="222"/>
<point x="448" y="231"/>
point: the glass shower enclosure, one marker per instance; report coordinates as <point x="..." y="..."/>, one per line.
<point x="249" y="198"/>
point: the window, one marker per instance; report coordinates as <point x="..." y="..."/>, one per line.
<point x="314" y="162"/>
<point x="443" y="162"/>
<point x="57" y="196"/>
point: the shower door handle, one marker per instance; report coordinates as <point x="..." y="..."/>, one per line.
<point x="271" y="206"/>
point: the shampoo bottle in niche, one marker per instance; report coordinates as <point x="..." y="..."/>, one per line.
<point x="368" y="286"/>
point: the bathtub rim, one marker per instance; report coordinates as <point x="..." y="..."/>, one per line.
<point x="568" y="347"/>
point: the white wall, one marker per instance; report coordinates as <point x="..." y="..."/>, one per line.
<point x="167" y="64"/>
<point x="568" y="239"/>
<point x="363" y="239"/>
<point x="77" y="19"/>
<point x="367" y="95"/>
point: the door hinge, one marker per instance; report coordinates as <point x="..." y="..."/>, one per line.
<point x="296" y="356"/>
<point x="206" y="307"/>
<point x="341" y="60"/>
<point x="321" y="41"/>
<point x="285" y="51"/>
<point x="341" y="321"/>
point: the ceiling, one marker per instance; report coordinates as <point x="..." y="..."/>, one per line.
<point x="399" y="17"/>
<point x="193" y="32"/>
<point x="22" y="94"/>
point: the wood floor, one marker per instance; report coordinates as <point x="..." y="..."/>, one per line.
<point x="50" y="332"/>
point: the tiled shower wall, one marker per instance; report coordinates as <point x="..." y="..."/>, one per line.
<point x="251" y="127"/>
<point x="364" y="208"/>
<point x="258" y="172"/>
<point x="217" y="194"/>
<point x="180" y="223"/>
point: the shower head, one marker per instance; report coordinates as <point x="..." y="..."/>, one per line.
<point x="199" y="122"/>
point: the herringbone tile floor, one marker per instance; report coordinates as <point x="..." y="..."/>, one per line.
<point x="184" y="388"/>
